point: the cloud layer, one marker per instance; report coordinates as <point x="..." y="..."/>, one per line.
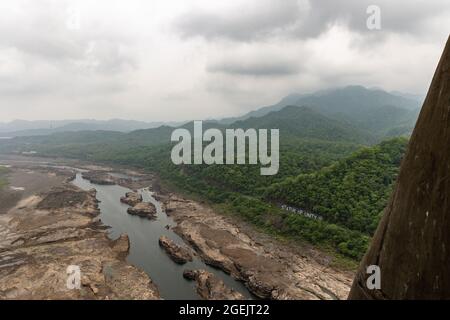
<point x="176" y="60"/>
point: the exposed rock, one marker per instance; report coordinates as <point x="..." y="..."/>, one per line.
<point x="63" y="197"/>
<point x="43" y="235"/>
<point x="190" y="274"/>
<point x="121" y="245"/>
<point x="177" y="253"/>
<point x="131" y="198"/>
<point x="143" y="209"/>
<point x="209" y="287"/>
<point x="411" y="244"/>
<point x="99" y="177"/>
<point x="269" y="269"/>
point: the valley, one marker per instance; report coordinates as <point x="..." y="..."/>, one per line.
<point x="335" y="169"/>
<point x="63" y="219"/>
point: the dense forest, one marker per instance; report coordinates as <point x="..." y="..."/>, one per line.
<point x="346" y="184"/>
<point x="352" y="192"/>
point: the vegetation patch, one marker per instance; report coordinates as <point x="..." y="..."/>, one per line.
<point x="3" y="180"/>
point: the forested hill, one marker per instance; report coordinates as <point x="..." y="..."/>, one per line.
<point x="304" y="122"/>
<point x="293" y="122"/>
<point x="352" y="192"/>
<point x="376" y="111"/>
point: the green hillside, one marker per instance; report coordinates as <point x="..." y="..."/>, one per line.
<point x="3" y="172"/>
<point x="376" y="112"/>
<point x="352" y="192"/>
<point x="304" y="122"/>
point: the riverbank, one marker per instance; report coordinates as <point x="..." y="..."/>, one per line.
<point x="145" y="237"/>
<point x="269" y="268"/>
<point x="53" y="227"/>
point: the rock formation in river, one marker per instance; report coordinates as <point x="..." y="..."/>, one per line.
<point x="131" y="198"/>
<point x="48" y="236"/>
<point x="209" y="287"/>
<point x="98" y="177"/>
<point x="143" y="209"/>
<point x="412" y="243"/>
<point x="177" y="253"/>
<point x="267" y="268"/>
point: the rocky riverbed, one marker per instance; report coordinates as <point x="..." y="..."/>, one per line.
<point x="179" y="254"/>
<point x="270" y="269"/>
<point x="49" y="232"/>
<point x="209" y="287"/>
<point x="52" y="228"/>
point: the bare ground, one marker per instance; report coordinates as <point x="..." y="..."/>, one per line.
<point x="269" y="268"/>
<point x="52" y="227"/>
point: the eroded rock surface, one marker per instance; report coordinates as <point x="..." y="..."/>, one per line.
<point x="177" y="253"/>
<point x="45" y="234"/>
<point x="269" y="269"/>
<point x="209" y="287"/>
<point x="99" y="177"/>
<point x="411" y="244"/>
<point x="131" y="198"/>
<point x="143" y="209"/>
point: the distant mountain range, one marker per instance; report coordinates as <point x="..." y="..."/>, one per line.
<point x="375" y="110"/>
<point x="366" y="111"/>
<point x="19" y="128"/>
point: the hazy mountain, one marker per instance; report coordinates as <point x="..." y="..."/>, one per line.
<point x="418" y="97"/>
<point x="18" y="128"/>
<point x="374" y="110"/>
<point x="291" y="99"/>
<point x="304" y="122"/>
<point x="293" y="122"/>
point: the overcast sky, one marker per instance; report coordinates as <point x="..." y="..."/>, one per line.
<point x="195" y="59"/>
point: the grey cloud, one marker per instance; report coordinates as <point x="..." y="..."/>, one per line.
<point x="245" y="23"/>
<point x="308" y="19"/>
<point x="401" y="16"/>
<point x="44" y="35"/>
<point x="269" y="69"/>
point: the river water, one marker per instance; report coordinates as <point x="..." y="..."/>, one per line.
<point x="145" y="251"/>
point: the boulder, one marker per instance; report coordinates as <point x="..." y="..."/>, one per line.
<point x="121" y="245"/>
<point x="143" y="209"/>
<point x="210" y="287"/>
<point x="177" y="253"/>
<point x="131" y="198"/>
<point x="98" y="177"/>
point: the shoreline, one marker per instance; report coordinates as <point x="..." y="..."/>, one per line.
<point x="49" y="231"/>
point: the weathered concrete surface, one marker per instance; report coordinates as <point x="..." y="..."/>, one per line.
<point x="412" y="242"/>
<point x="46" y="233"/>
<point x="269" y="269"/>
<point x="210" y="287"/>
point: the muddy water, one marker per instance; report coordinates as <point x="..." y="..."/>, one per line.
<point x="145" y="252"/>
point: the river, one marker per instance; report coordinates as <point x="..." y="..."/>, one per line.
<point x="145" y="251"/>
